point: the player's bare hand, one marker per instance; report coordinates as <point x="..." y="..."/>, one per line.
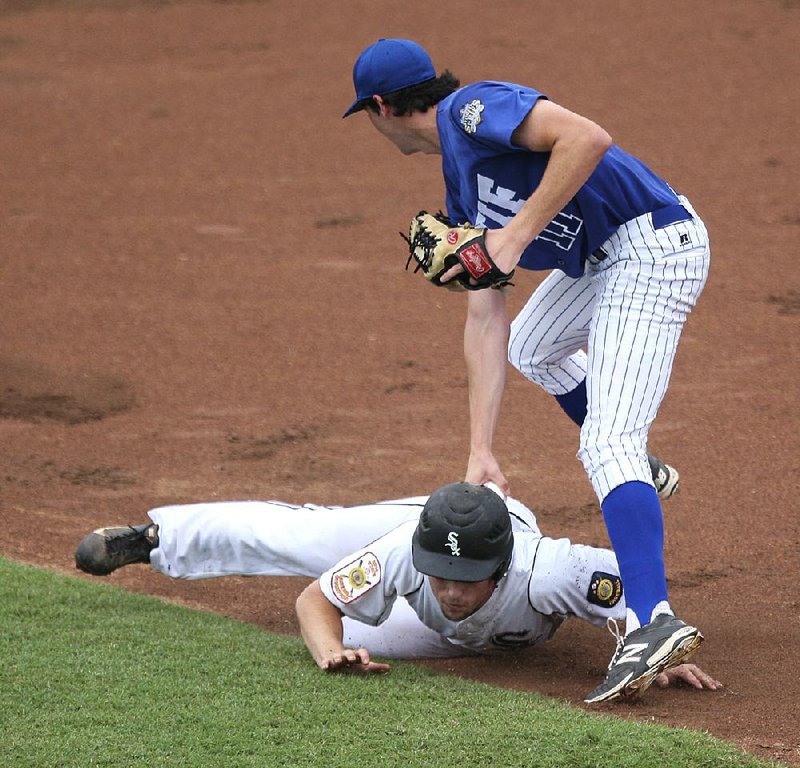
<point x="501" y="249"/>
<point x="483" y="469"/>
<point x="504" y="248"/>
<point x="352" y="660"/>
<point x="688" y="674"/>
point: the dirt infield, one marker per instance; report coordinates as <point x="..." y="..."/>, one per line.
<point x="203" y="297"/>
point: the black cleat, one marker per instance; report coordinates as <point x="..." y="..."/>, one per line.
<point x="665" y="478"/>
<point x="643" y="655"/>
<point x="107" y="549"/>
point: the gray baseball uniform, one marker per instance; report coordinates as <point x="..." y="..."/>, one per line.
<point x="362" y="555"/>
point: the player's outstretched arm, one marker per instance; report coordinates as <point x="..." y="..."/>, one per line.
<point x="321" y="628"/>
<point x="486" y="332"/>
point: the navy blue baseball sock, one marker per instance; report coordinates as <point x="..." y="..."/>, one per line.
<point x="574" y="403"/>
<point x="635" y="527"/>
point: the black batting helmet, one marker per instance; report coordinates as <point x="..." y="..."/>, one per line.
<point x="464" y="534"/>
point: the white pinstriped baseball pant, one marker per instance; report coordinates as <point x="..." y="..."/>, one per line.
<point x="618" y="327"/>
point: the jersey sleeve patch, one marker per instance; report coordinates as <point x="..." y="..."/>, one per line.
<point x="470" y="115"/>
<point x="355" y="579"/>
<point x="605" y="589"/>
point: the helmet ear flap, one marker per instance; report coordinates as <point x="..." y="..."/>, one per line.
<point x="501" y="571"/>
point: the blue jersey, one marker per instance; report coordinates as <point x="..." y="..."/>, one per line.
<point x="488" y="178"/>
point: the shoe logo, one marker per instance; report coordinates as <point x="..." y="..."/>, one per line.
<point x="632" y="653"/>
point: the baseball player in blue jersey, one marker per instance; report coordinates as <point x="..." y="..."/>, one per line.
<point x="460" y="572"/>
<point x="629" y="258"/>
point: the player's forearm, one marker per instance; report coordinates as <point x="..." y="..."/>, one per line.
<point x="320" y="624"/>
<point x="572" y="161"/>
<point x="576" y="146"/>
<point x="485" y="352"/>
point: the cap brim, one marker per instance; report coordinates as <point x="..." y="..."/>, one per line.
<point x="451" y="568"/>
<point x="356" y="106"/>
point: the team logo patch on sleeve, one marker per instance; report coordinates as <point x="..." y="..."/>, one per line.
<point x="356" y="578"/>
<point x="605" y="589"/>
<point x="471" y="116"/>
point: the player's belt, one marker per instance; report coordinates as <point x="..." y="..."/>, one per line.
<point x="661" y="217"/>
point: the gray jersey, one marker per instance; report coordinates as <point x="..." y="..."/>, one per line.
<point x="547" y="581"/>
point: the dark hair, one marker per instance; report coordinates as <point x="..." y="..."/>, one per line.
<point x="418" y="98"/>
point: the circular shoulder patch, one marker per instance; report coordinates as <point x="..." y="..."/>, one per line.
<point x="605" y="589"/>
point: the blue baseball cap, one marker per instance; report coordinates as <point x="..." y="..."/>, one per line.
<point x="387" y="66"/>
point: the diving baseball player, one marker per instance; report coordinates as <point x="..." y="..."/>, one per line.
<point x="460" y="572"/>
<point x="545" y="189"/>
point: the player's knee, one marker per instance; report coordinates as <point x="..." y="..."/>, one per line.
<point x="554" y="368"/>
<point x="531" y="362"/>
<point x="515" y="356"/>
<point x="612" y="461"/>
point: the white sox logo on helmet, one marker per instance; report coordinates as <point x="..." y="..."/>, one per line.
<point x="452" y="543"/>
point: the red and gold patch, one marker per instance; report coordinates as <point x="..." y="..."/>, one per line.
<point x="356" y="578"/>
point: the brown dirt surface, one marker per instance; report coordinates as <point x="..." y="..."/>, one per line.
<point x="203" y="297"/>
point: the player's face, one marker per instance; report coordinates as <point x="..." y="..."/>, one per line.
<point x="392" y="129"/>
<point x="460" y="599"/>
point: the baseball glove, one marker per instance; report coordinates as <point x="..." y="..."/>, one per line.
<point x="436" y="244"/>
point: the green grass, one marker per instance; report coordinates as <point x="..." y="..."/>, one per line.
<point x="91" y="675"/>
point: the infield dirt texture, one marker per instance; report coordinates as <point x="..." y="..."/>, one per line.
<point x="203" y="297"/>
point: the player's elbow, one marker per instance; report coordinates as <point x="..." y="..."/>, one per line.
<point x="585" y="143"/>
<point x="601" y="140"/>
<point x="311" y="605"/>
<point x="307" y="597"/>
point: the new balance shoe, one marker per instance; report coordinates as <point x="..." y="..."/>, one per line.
<point x="643" y="655"/>
<point x="107" y="549"/>
<point x="665" y="478"/>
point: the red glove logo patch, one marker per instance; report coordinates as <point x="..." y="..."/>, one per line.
<point x="474" y="259"/>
